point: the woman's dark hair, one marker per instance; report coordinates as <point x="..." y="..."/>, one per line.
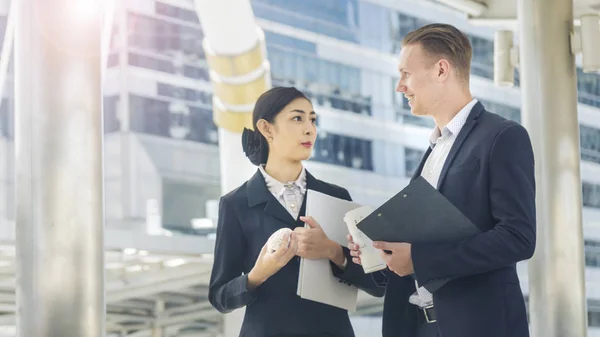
<point x="268" y="105"/>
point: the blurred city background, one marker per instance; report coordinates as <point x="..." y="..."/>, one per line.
<point x="162" y="173"/>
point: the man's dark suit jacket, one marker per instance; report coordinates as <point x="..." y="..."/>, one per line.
<point x="247" y="218"/>
<point x="489" y="176"/>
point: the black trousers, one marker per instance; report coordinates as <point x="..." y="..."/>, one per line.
<point x="298" y="335"/>
<point x="427" y="329"/>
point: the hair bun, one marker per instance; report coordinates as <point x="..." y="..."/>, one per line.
<point x="251" y="144"/>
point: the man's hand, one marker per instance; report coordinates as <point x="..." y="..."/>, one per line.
<point x="399" y="260"/>
<point x="313" y="243"/>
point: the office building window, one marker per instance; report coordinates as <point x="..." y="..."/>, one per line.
<point x="176" y="12"/>
<point x="345" y="151"/>
<point x="334" y="18"/>
<point x="274" y="39"/>
<point x="3" y="24"/>
<point x="591" y="195"/>
<point x="308" y="69"/>
<point x="482" y="63"/>
<point x="503" y="110"/>
<point x="163" y="37"/>
<point x="111" y="117"/>
<point x="590" y="143"/>
<point x="327" y="83"/>
<point x="337" y="100"/>
<point x="173" y="119"/>
<point x="7" y="118"/>
<point x="588" y="86"/>
<point x="406" y="24"/>
<point x="153" y="63"/>
<point x="592" y="253"/>
<point x="594" y="317"/>
<point x="167" y="65"/>
<point x="171" y="91"/>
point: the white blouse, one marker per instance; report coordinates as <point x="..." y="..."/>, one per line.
<point x="290" y="194"/>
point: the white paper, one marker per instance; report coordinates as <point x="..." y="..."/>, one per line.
<point x="316" y="281"/>
<point x="370" y="258"/>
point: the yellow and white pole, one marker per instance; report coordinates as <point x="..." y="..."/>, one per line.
<point x="235" y="49"/>
<point x="239" y="71"/>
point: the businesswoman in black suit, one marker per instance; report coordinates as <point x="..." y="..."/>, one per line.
<point x="244" y="272"/>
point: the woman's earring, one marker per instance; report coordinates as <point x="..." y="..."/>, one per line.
<point x="270" y="139"/>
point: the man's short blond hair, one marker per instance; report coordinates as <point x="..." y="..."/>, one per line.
<point x="444" y="41"/>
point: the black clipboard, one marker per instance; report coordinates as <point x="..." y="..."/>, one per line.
<point x="417" y="214"/>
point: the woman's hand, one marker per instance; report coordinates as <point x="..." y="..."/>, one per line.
<point x="268" y="264"/>
<point x="313" y="243"/>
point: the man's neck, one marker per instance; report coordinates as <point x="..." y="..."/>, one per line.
<point x="282" y="170"/>
<point x="450" y="109"/>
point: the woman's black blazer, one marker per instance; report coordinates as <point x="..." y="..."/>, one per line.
<point x="247" y="218"/>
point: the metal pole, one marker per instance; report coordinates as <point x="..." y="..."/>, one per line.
<point x="5" y="57"/>
<point x="59" y="191"/>
<point x="7" y="45"/>
<point x="557" y="300"/>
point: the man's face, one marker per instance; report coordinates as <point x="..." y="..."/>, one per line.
<point x="418" y="80"/>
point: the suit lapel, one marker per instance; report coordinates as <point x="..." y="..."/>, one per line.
<point x="258" y="193"/>
<point x="460" y="139"/>
<point x="276" y="209"/>
<point x="314" y="184"/>
<point x="419" y="169"/>
<point x="311" y="184"/>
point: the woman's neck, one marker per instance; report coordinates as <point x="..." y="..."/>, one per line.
<point x="282" y="170"/>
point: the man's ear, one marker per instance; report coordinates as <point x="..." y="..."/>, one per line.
<point x="443" y="69"/>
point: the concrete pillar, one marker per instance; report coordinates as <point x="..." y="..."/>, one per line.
<point x="58" y="147"/>
<point x="557" y="298"/>
<point x="239" y="72"/>
<point x="6" y="9"/>
<point x="159" y="309"/>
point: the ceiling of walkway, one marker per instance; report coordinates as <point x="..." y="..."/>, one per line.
<point x="504" y="12"/>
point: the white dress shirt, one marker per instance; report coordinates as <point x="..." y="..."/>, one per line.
<point x="441" y="142"/>
<point x="290" y="194"/>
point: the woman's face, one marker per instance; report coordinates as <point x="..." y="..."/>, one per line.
<point x="293" y="133"/>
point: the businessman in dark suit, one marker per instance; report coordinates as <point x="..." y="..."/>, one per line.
<point x="484" y="165"/>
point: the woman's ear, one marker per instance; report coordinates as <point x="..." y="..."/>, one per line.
<point x="265" y="128"/>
